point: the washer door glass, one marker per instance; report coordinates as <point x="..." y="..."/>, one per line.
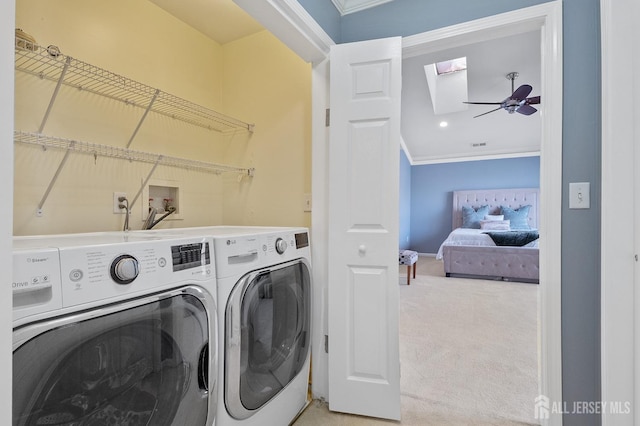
<point x="147" y="365"/>
<point x="268" y="320"/>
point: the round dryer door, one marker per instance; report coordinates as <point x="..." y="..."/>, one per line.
<point x="140" y="365"/>
<point x="267" y="336"/>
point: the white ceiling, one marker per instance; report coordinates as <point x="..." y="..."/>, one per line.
<point x="487" y="65"/>
<point x="220" y="20"/>
<point x="488" y="62"/>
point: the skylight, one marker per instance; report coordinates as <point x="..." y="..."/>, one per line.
<point x="447" y="81"/>
<point x="453" y="65"/>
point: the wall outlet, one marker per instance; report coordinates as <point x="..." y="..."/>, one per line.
<point x="116" y="202"/>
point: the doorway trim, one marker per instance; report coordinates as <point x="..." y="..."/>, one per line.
<point x="295" y="27"/>
<point x="547" y="18"/>
<point x="619" y="304"/>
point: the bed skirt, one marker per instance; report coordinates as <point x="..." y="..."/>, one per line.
<point x="500" y="263"/>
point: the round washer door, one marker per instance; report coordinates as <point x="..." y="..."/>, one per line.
<point x="141" y="363"/>
<point x="267" y="337"/>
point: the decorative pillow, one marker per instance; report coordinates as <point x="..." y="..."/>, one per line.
<point x="519" y="218"/>
<point x="494" y="217"/>
<point x="471" y="218"/>
<point x="495" y="225"/>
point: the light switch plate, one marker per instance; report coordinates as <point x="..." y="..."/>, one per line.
<point x="579" y="195"/>
<point x="306" y="203"/>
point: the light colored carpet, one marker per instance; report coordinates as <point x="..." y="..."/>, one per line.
<point x="468" y="353"/>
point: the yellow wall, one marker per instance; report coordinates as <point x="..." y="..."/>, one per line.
<point x="137" y="39"/>
<point x="266" y="81"/>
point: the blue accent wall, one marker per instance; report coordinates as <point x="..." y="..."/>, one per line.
<point x="581" y="159"/>
<point x="432" y="189"/>
<point x="404" y="234"/>
<point x="326" y="15"/>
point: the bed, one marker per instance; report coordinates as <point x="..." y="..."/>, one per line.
<point x="480" y="253"/>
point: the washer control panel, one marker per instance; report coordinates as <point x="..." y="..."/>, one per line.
<point x="35" y="282"/>
<point x="101" y="272"/>
<point x="188" y="256"/>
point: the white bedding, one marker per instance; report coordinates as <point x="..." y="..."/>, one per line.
<point x="471" y="237"/>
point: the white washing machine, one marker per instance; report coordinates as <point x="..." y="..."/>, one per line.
<point x="114" y="328"/>
<point x="264" y="299"/>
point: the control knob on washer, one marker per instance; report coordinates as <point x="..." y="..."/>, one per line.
<point x="281" y="245"/>
<point x="124" y="269"/>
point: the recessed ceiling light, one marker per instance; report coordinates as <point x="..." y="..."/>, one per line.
<point x="443" y="124"/>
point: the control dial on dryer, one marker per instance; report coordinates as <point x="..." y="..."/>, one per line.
<point x="124" y="269"/>
<point x="281" y="245"/>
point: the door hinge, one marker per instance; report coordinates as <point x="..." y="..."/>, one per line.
<point x="327" y="118"/>
<point x="326" y="343"/>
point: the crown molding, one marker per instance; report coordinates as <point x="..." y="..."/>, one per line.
<point x="350" y="6"/>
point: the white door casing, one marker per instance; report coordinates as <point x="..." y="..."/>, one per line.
<point x="7" y="28"/>
<point x="636" y="224"/>
<point x="363" y="295"/>
<point x="620" y="304"/>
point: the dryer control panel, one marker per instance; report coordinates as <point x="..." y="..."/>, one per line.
<point x="237" y="254"/>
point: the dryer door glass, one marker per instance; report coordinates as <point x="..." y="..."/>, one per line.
<point x="272" y="314"/>
<point x="146" y="365"/>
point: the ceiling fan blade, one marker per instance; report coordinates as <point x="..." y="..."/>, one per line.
<point x="521" y="92"/>
<point x="526" y="110"/>
<point x="533" y="100"/>
<point x="493" y="110"/>
<point x="483" y="103"/>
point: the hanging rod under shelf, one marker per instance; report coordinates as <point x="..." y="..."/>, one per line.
<point x="48" y="63"/>
<point x="124" y="153"/>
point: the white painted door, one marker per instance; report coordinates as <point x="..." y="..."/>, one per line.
<point x="364" y="364"/>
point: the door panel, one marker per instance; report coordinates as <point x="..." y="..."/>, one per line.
<point x="368" y="361"/>
<point x="364" y="370"/>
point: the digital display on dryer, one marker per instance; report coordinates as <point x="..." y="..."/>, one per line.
<point x="302" y="240"/>
<point x="188" y="256"/>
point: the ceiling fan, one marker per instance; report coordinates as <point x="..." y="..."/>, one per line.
<point x="517" y="102"/>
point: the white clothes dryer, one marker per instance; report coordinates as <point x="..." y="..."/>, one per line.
<point x="114" y="328"/>
<point x="264" y="297"/>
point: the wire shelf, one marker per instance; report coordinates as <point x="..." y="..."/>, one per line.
<point x="122" y="153"/>
<point x="49" y="63"/>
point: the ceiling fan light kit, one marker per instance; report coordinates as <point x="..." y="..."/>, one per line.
<point x="517" y="102"/>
